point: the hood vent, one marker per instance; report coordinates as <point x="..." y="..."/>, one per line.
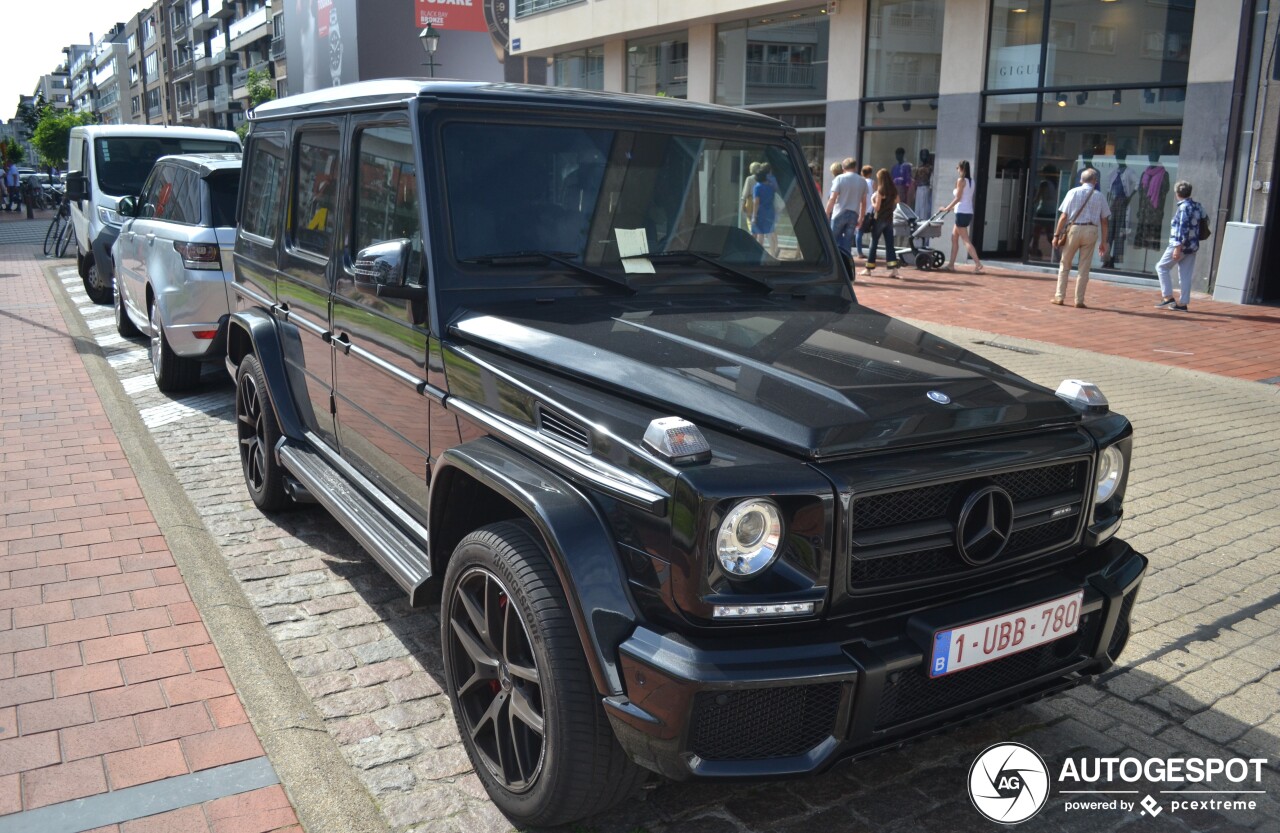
<point x="564" y="429"/>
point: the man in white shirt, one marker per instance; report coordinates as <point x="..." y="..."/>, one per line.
<point x="844" y="208"/>
<point x="1083" y="218"/>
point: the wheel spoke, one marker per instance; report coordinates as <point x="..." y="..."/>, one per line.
<point x="480" y="656"/>
<point x="490" y="715"/>
<point x="524" y="672"/>
<point x="522" y="710"/>
<point x="478" y="619"/>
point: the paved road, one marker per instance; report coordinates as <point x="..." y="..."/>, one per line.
<point x="1200" y="677"/>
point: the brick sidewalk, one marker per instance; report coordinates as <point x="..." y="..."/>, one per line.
<point x="108" y="679"/>
<point x="1242" y="342"/>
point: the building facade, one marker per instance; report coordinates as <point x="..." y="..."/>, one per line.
<point x="1030" y="92"/>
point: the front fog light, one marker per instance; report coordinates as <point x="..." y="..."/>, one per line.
<point x="748" y="538"/>
<point x="1110" y="470"/>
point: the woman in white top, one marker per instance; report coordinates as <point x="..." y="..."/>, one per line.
<point x="963" y="204"/>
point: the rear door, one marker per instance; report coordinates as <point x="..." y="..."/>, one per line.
<point x="380" y="342"/>
<point x="307" y="265"/>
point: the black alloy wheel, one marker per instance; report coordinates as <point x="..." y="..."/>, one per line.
<point x="527" y="707"/>
<point x="500" y="693"/>
<point x="258" y="434"/>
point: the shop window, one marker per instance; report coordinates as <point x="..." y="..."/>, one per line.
<point x="658" y="66"/>
<point x="583" y="68"/>
<point x="904" y="47"/>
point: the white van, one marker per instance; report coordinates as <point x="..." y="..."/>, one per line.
<point x="107" y="162"/>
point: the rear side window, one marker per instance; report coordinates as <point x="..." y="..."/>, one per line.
<point x="222" y="186"/>
<point x="315" y="194"/>
<point x="159" y="193"/>
<point x="180" y="198"/>
<point x="264" y="194"/>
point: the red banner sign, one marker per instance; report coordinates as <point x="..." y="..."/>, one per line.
<point x="452" y="15"/>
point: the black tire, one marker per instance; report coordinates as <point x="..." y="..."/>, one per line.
<point x="939" y="260"/>
<point x="51" y="236"/>
<point x="124" y="324"/>
<point x="258" y="433"/>
<point x="96" y="284"/>
<point x="500" y="579"/>
<point x="171" y="371"/>
<point x="64" y="238"/>
<point x="924" y="261"/>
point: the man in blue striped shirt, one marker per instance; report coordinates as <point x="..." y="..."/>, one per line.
<point x="1184" y="243"/>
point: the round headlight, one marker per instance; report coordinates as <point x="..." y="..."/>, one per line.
<point x="748" y="538"/>
<point x="1110" y="470"/>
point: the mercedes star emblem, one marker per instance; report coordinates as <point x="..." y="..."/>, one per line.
<point x="939" y="397"/>
<point x="984" y="525"/>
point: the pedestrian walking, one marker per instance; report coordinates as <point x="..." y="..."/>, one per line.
<point x="844" y="208"/>
<point x="1082" y="224"/>
<point x="962" y="202"/>
<point x="1184" y="244"/>
<point x="868" y="211"/>
<point x="748" y="193"/>
<point x="764" y="217"/>
<point x="11" y="182"/>
<point x="883" y="204"/>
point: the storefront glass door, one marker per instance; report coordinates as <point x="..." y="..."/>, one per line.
<point x="1002" y="193"/>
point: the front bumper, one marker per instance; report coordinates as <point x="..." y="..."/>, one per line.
<point x="802" y="700"/>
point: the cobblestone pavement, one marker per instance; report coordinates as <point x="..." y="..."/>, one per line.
<point x="1200" y="676"/>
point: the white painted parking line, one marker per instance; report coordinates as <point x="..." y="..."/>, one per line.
<point x="138" y="384"/>
<point x="209" y="403"/>
<point x="126" y="357"/>
<point x="109" y="340"/>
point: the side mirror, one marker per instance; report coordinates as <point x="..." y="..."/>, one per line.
<point x="128" y="207"/>
<point x="382" y="264"/>
<point x="77" y="186"/>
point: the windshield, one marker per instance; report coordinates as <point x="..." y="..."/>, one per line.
<point x="620" y="199"/>
<point x="123" y="162"/>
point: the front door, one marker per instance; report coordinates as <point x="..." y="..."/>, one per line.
<point x="380" y="341"/>
<point x="1004" y="202"/>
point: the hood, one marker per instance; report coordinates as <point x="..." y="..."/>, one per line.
<point x="815" y="379"/>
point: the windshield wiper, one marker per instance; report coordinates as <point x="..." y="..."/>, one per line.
<point x="705" y="257"/>
<point x="532" y="257"/>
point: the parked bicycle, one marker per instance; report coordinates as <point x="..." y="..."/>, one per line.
<point x="58" y="238"/>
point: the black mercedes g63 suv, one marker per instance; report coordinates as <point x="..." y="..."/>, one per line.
<point x="685" y="505"/>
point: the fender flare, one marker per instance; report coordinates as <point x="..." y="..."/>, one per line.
<point x="578" y="542"/>
<point x="264" y="338"/>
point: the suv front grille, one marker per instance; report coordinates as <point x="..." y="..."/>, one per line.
<point x="757" y="723"/>
<point x="907" y="536"/>
<point x="913" y="694"/>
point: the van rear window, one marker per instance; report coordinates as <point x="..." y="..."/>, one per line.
<point x="123" y="162"/>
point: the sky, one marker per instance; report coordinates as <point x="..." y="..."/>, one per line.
<point x="35" y="32"/>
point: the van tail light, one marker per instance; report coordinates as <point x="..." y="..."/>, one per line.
<point x="199" y="255"/>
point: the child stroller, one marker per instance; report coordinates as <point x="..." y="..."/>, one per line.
<point x="906" y="224"/>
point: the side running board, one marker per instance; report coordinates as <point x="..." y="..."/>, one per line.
<point x="397" y="553"/>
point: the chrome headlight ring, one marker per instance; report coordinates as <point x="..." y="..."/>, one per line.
<point x="1109" y="474"/>
<point x="749" y="538"/>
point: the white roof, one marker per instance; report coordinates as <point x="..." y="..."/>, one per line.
<point x="94" y="130"/>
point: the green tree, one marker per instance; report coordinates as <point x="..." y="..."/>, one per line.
<point x="10" y="151"/>
<point x="31" y="113"/>
<point x="261" y="89"/>
<point x="54" y="132"/>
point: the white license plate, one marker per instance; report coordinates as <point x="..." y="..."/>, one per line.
<point x="969" y="645"/>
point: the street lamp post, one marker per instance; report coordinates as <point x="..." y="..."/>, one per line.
<point x="430" y="38"/>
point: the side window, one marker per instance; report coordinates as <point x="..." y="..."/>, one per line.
<point x="186" y="199"/>
<point x="315" y="192"/>
<point x="159" y="193"/>
<point x="264" y="187"/>
<point x="386" y="205"/>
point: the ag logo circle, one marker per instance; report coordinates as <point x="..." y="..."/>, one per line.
<point x="1008" y="783"/>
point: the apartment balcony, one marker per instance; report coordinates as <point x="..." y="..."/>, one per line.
<point x="180" y="30"/>
<point x="186" y="109"/>
<point x="203" y="21"/>
<point x="221" y="98"/>
<point x="240" y="78"/>
<point x="277" y="48"/>
<point x="153" y="112"/>
<point x="222" y="10"/>
<point x="222" y="56"/>
<point x="183" y="70"/>
<point x="250" y="28"/>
